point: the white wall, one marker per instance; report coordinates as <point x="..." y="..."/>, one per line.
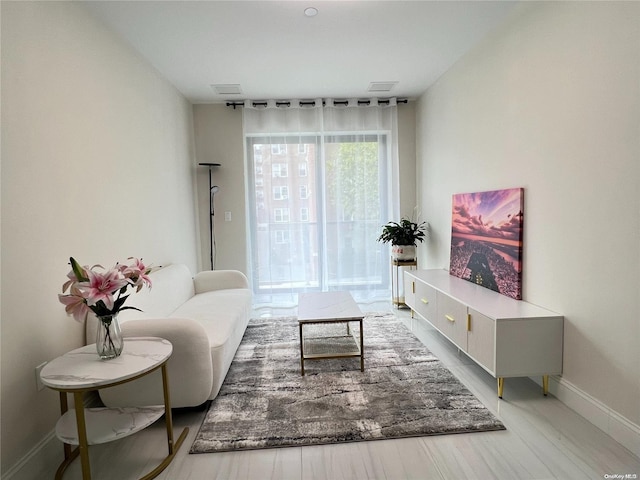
<point x="98" y="163"/>
<point x="219" y="139"/>
<point x="407" y="160"/>
<point x="551" y="102"/>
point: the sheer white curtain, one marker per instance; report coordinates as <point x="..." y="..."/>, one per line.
<point x="322" y="180"/>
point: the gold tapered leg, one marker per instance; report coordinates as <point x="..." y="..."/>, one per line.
<point x="83" y="443"/>
<point x="173" y="447"/>
<point x="64" y="407"/>
<point x="66" y="462"/>
<point x="69" y="454"/>
<point x="361" y="347"/>
<point x="168" y="417"/>
<point x="301" y="352"/>
<point x="500" y="386"/>
<point x="545" y="384"/>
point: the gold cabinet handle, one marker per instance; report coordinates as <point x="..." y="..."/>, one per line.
<point x="413" y="287"/>
<point x="468" y="322"/>
<point x="450" y="318"/>
<point x="424" y="300"/>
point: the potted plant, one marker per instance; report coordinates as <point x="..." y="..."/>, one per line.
<point x="404" y="238"/>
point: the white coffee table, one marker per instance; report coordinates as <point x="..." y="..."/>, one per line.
<point x="80" y="371"/>
<point x="329" y="308"/>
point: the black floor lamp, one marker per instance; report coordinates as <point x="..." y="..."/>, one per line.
<point x="212" y="191"/>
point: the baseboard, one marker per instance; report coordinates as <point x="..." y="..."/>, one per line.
<point x="612" y="423"/>
<point x="45" y="456"/>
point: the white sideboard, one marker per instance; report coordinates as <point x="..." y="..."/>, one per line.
<point x="506" y="337"/>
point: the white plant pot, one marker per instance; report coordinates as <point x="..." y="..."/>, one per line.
<point x="403" y="252"/>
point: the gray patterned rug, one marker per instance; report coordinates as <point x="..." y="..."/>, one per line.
<point x="404" y="391"/>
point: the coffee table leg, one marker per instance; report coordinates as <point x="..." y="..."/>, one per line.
<point x="361" y="348"/>
<point x="301" y="351"/>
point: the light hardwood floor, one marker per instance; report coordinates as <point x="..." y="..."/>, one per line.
<point x="544" y="440"/>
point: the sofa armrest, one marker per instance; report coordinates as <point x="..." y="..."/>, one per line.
<point x="219" y="280"/>
<point x="189" y="369"/>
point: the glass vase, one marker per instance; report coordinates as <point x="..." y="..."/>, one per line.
<point x="109" y="341"/>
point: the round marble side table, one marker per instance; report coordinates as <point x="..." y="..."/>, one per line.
<point x="80" y="371"/>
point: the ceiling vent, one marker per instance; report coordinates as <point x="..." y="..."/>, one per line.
<point x="381" y="86"/>
<point x="227" y="89"/>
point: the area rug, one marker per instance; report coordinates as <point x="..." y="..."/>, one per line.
<point x="404" y="391"/>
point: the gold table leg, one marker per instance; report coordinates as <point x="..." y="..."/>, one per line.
<point x="67" y="461"/>
<point x="69" y="454"/>
<point x="301" y="351"/>
<point x="83" y="443"/>
<point x="173" y="448"/>
<point x="167" y="408"/>
<point x="64" y="407"/>
<point x="361" y="347"/>
<point x="500" y="386"/>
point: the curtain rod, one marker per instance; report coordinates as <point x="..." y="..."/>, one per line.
<point x="312" y="103"/>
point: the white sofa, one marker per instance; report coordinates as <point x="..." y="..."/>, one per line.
<point x="204" y="317"/>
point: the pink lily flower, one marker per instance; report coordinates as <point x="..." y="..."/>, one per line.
<point x="72" y="280"/>
<point x="102" y="286"/>
<point x="137" y="273"/>
<point x="75" y="305"/>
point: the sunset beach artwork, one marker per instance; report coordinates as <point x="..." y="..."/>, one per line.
<point x="486" y="239"/>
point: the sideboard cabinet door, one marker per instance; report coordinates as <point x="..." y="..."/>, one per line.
<point x="452" y="320"/>
<point x="481" y="340"/>
<point x="426" y="302"/>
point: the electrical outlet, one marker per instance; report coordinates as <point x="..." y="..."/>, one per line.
<point x="39" y="384"/>
<point x="227" y="216"/>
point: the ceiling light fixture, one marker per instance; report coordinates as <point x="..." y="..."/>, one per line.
<point x="311" y="11"/>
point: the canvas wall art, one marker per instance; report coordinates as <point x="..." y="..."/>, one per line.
<point x="486" y="239"/>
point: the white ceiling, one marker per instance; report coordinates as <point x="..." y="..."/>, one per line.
<point x="274" y="51"/>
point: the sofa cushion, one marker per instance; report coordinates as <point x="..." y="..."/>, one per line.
<point x="171" y="287"/>
<point x="223" y="315"/>
<point x="218" y="311"/>
<point x="191" y="373"/>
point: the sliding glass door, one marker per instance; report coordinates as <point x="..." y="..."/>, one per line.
<point x="316" y="206"/>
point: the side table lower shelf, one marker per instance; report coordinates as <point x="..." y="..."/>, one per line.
<point x="106" y="424"/>
<point x="100" y="430"/>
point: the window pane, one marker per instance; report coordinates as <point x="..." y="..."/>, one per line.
<point x="285" y="234"/>
<point x="306" y="235"/>
<point x="354" y="168"/>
